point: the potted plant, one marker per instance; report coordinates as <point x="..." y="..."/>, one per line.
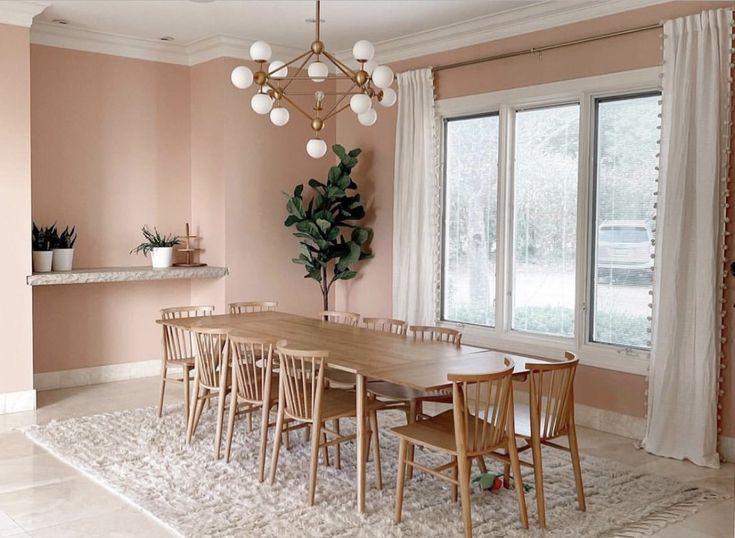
<point x="62" y="246"/>
<point x="41" y="245"/>
<point x="160" y="246"/>
<point x="327" y="225"/>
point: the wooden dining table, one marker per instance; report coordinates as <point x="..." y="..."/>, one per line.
<point x="404" y="360"/>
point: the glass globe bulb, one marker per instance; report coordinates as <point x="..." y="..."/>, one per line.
<point x="368" y="118"/>
<point x="260" y="51"/>
<point x="241" y="77"/>
<point x="318" y="71"/>
<point x="261" y="103"/>
<point x="360" y="103"/>
<point x="280" y="116"/>
<point x="363" y="50"/>
<point x="382" y="76"/>
<point x="277" y="69"/>
<point x="370" y="66"/>
<point x="389" y="97"/>
<point x="316" y="148"/>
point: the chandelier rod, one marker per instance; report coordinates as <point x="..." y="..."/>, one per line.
<point x="336" y="104"/>
<point x="318" y="21"/>
<point x="301" y="68"/>
<point x="342" y="67"/>
<point x="536" y="50"/>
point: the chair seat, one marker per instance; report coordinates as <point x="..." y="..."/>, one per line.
<point x="337" y="403"/>
<point x="385" y="389"/>
<point x="185" y="361"/>
<point x="436" y="432"/>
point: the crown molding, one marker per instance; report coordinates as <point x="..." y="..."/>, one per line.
<point x="517" y="21"/>
<point x="17" y="13"/>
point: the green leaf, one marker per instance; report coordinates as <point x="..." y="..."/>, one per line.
<point x="314" y="184"/>
<point x="308" y="227"/>
<point x="291" y="220"/>
<point x="349" y="257"/>
<point x="298" y="190"/>
<point x="316" y="274"/>
<point x="334" y="174"/>
<point x="355" y="152"/>
<point x="323" y="224"/>
<point x="335" y="192"/>
<point x="339" y="151"/>
<point x="347" y="275"/>
<point x="360" y="235"/>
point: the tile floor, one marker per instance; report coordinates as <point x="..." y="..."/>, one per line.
<point x="42" y="497"/>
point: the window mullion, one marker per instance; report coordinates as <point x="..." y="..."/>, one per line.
<point x="505" y="215"/>
<point x="584" y="200"/>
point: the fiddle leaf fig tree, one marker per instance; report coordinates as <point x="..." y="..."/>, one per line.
<point x="331" y="239"/>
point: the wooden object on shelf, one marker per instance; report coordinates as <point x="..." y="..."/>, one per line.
<point x="189" y="250"/>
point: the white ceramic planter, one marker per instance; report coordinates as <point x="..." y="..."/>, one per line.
<point x="162" y="257"/>
<point x="63" y="258"/>
<point x="42" y="261"/>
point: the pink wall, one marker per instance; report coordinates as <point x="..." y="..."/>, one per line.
<point x="370" y="294"/>
<point x="110" y="152"/>
<point x="15" y="210"/>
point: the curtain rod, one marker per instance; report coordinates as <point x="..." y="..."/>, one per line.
<point x="535" y="50"/>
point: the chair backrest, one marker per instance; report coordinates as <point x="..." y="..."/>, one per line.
<point x="212" y="347"/>
<point x="246" y="307"/>
<point x="177" y="342"/>
<point x="252" y="367"/>
<point x="483" y="409"/>
<point x="551" y="396"/>
<point x="388" y="325"/>
<point x="440" y="334"/>
<point x="301" y="380"/>
<point x="344" y="318"/>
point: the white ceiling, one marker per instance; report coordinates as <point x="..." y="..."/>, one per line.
<point x="281" y="22"/>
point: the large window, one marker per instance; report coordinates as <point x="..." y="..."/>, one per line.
<point x="548" y="217"/>
<point x="545" y="219"/>
<point x="625" y="182"/>
<point x="469" y="236"/>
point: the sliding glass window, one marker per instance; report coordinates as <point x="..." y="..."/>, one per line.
<point x="545" y="219"/>
<point x="470" y="218"/>
<point x="625" y="159"/>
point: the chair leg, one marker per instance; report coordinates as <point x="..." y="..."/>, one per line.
<point x="199" y="408"/>
<point x="187" y="393"/>
<point x="325" y="448"/>
<point x="481" y="464"/>
<point x="315" y="436"/>
<point x="574" y="452"/>
<point x="231" y="426"/>
<point x="221" y="397"/>
<point x="264" y="419"/>
<point x="195" y="410"/>
<point x="454" y="476"/>
<point x="506" y="473"/>
<point x="412" y="410"/>
<point x="538" y="474"/>
<point x="376" y="449"/>
<point x="276" y="443"/>
<point x="250" y="421"/>
<point x="338" y="454"/>
<point x="518" y="481"/>
<point x="163" y="390"/>
<point x="400" y="479"/>
<point x="464" y="490"/>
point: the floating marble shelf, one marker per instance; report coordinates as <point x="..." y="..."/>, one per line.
<point x="123" y="274"/>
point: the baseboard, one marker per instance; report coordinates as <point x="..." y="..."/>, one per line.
<point x="15" y="402"/>
<point x="79" y="377"/>
<point x="727" y="449"/>
<point x="609" y="421"/>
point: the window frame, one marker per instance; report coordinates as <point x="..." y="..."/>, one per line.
<point x="585" y="92"/>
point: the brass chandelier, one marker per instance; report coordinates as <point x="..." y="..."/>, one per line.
<point x="368" y="84"/>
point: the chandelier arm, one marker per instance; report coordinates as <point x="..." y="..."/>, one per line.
<point x="301" y="68"/>
<point x="331" y="115"/>
<point x="307" y="53"/>
<point x="318" y="21"/>
<point x="336" y="104"/>
<point x="297" y="107"/>
<point x="342" y="67"/>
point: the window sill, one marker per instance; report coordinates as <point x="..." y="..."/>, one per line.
<point x="549" y="347"/>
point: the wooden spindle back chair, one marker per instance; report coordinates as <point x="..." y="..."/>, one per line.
<point x="439" y="334"/>
<point x="303" y="397"/>
<point x="210" y="378"/>
<point x="254" y="385"/>
<point x="388" y="325"/>
<point x="343" y="318"/>
<point x="246" y="307"/>
<point x="480" y="424"/>
<point x="178" y="351"/>
<point x="551" y="409"/>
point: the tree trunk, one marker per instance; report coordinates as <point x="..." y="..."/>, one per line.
<point x="325" y="290"/>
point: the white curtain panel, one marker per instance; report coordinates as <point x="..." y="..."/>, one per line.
<point x="684" y="371"/>
<point x="413" y="199"/>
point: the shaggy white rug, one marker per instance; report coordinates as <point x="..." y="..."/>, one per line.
<point x="146" y="461"/>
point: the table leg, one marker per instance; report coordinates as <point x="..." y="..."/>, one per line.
<point x="361" y="445"/>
